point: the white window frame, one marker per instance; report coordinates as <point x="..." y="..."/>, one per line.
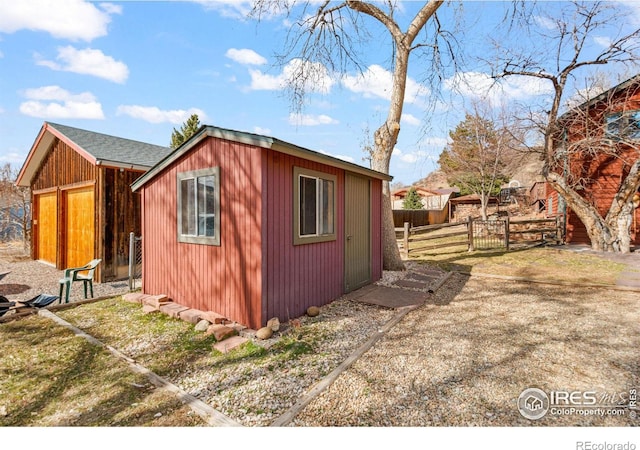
<point x="199" y="238"/>
<point x="319" y="236"/>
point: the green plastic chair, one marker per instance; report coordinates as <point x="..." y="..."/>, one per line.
<point x="76" y="274"/>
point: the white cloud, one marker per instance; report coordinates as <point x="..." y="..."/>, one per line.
<point x="311" y="120"/>
<point x="342" y="157"/>
<point x="409" y="158"/>
<point x="317" y="76"/>
<point x="480" y="86"/>
<point x="73" y="19"/>
<point x="376" y="81"/>
<point x="153" y="114"/>
<point x="54" y="102"/>
<point x="245" y="56"/>
<point x="88" y="62"/>
<point x="12" y="157"/>
<point x="262" y="131"/>
<point x="438" y="142"/>
<point x="603" y="41"/>
<point x="233" y="9"/>
<point x="410" y="119"/>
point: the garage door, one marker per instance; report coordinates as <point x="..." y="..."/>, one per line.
<point x="79" y="221"/>
<point x="47" y="229"/>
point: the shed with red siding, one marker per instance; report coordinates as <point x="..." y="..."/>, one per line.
<point x="251" y="227"/>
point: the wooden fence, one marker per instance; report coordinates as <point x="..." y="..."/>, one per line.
<point x="477" y="234"/>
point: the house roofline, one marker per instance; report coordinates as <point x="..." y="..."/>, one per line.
<point x="40" y="148"/>
<point x="600" y="97"/>
<point x="257" y="140"/>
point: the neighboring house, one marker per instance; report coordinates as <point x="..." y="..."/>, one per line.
<point x="251" y="227"/>
<point x="83" y="206"/>
<point x="461" y="208"/>
<point x="616" y="115"/>
<point x="430" y="199"/>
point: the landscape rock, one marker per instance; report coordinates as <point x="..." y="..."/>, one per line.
<point x="191" y="315"/>
<point x="229" y="344"/>
<point x="221" y="332"/>
<point x="155" y="300"/>
<point x="202" y="325"/>
<point x="147" y="309"/>
<point x="313" y="311"/>
<point x="133" y="297"/>
<point x="214" y="317"/>
<point x="264" y="333"/>
<point x="274" y="324"/>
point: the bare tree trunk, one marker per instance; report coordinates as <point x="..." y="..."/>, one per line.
<point x="385" y="139"/>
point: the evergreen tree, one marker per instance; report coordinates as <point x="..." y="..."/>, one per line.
<point x="412" y="200"/>
<point x="188" y="129"/>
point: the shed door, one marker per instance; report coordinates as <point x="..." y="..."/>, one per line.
<point x="79" y="232"/>
<point x="357" y="261"/>
<point x="47" y="238"/>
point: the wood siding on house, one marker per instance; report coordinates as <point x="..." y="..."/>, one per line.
<point x="297" y="276"/>
<point x="226" y="278"/>
<point x="62" y="167"/>
<point x="120" y="215"/>
<point x="606" y="174"/>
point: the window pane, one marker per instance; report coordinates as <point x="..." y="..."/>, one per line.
<point x="308" y="210"/>
<point x="633" y="127"/>
<point x="327" y="207"/>
<point x="206" y="209"/>
<point x="614" y="124"/>
<point x="188" y="207"/>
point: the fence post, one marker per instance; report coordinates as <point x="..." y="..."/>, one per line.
<point x="406" y="240"/>
<point x="507" y="232"/>
<point x="132" y="258"/>
<point x="470" y="233"/>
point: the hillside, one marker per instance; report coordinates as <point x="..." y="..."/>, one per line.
<point x="524" y="168"/>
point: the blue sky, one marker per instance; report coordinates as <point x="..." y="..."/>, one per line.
<point x="139" y="69"/>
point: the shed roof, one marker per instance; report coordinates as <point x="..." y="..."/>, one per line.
<point x="257" y="140"/>
<point x="98" y="148"/>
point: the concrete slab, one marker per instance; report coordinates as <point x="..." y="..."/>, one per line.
<point x="391" y="297"/>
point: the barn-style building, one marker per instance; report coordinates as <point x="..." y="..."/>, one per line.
<point x="83" y="206"/>
<point x="252" y="227"/>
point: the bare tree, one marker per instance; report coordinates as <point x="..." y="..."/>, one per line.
<point x="15" y="208"/>
<point x="553" y="53"/>
<point x="329" y="36"/>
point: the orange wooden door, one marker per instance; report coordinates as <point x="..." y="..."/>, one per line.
<point x="47" y="239"/>
<point x="80" y="226"/>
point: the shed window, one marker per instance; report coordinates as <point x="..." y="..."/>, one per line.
<point x="623" y="125"/>
<point x="199" y="206"/>
<point x="314" y="206"/>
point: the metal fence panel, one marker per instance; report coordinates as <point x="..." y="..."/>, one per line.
<point x="135" y="261"/>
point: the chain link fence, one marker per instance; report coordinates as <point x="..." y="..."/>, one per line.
<point x="135" y="261"/>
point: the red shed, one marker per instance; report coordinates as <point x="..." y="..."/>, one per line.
<point x="252" y="227"/>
